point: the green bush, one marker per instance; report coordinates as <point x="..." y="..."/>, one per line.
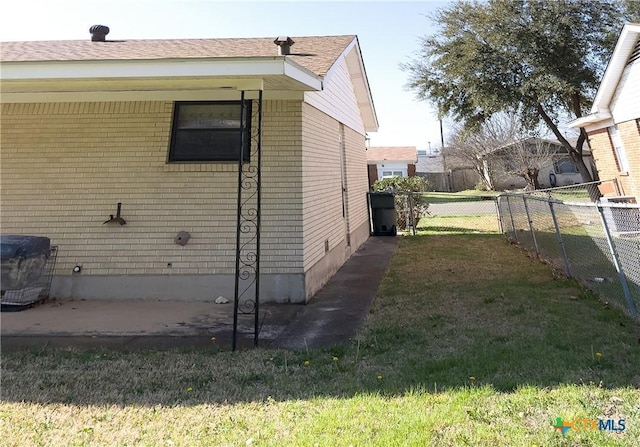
<point x="401" y="187"/>
<point x="481" y="186"/>
<point x="393" y="184"/>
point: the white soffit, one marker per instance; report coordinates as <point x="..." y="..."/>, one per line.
<point x="235" y="73"/>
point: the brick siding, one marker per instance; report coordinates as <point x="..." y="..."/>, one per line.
<point x="605" y="160"/>
<point x="65" y="166"/>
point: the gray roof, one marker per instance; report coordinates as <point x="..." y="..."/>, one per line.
<point x="317" y="54"/>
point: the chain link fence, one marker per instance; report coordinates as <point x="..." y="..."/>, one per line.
<point x="593" y="240"/>
<point x="446" y="212"/>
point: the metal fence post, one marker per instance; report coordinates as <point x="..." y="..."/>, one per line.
<point x="513" y="224"/>
<point x="496" y="203"/>
<point x="563" y="250"/>
<point x="617" y="264"/>
<point x="533" y="233"/>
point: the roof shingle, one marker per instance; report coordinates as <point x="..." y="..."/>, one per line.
<point x="407" y="154"/>
<point x="317" y="53"/>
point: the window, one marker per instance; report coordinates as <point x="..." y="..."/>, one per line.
<point x="618" y="150"/>
<point x="564" y="165"/>
<point x="389" y="174"/>
<point x="209" y="131"/>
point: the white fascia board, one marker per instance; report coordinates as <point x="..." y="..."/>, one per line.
<point x="589" y="120"/>
<point x="139" y="95"/>
<point x="149" y="69"/>
<point x="296" y="71"/>
<point x="624" y="47"/>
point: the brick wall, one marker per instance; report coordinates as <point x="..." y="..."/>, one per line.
<point x="358" y="184"/>
<point x="604" y="156"/>
<point x="65" y="166"/>
<point x="630" y="134"/>
<point x="334" y="153"/>
<point x="322" y="185"/>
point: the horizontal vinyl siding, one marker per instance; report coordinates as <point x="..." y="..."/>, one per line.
<point x="338" y="100"/>
<point x="624" y="104"/>
<point x="65" y="166"/>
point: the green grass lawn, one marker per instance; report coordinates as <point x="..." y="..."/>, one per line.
<point x="481" y="223"/>
<point x="461" y="196"/>
<point x="469" y="342"/>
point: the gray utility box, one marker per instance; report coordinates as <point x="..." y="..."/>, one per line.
<point x="383" y="214"/>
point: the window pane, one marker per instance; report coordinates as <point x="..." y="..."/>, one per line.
<point x="209" y="116"/>
<point x="212" y="145"/>
<point x="209" y="131"/>
<point x="397" y="173"/>
<point x="387" y="174"/>
<point x="565" y="165"/>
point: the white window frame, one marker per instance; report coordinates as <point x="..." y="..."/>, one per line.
<point x="618" y="149"/>
<point x="392" y="174"/>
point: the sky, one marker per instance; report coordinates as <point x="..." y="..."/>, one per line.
<point x="389" y="34"/>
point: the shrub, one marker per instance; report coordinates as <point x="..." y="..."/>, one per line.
<point x="481" y="186"/>
<point x="400" y="187"/>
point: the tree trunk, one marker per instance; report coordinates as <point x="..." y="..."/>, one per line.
<point x="531" y="177"/>
<point x="575" y="152"/>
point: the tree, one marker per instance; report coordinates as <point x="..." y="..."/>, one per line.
<point x="543" y="58"/>
<point x="525" y="158"/>
<point x="475" y="148"/>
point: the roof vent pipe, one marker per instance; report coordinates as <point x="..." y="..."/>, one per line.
<point x="98" y="33"/>
<point x="284" y="45"/>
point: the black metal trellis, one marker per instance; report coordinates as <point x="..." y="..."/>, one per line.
<point x="247" y="267"/>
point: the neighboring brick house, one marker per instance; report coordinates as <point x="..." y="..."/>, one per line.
<point x="613" y="125"/>
<point x="385" y="162"/>
<point x="157" y="126"/>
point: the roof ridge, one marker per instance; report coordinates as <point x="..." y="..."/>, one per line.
<point x="181" y="39"/>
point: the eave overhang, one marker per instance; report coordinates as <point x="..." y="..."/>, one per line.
<point x="355" y="64"/>
<point x="140" y="79"/>
<point x="600" y="115"/>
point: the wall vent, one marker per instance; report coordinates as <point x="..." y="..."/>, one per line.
<point x="635" y="54"/>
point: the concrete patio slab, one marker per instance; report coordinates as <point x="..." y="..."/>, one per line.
<point x="332" y="316"/>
